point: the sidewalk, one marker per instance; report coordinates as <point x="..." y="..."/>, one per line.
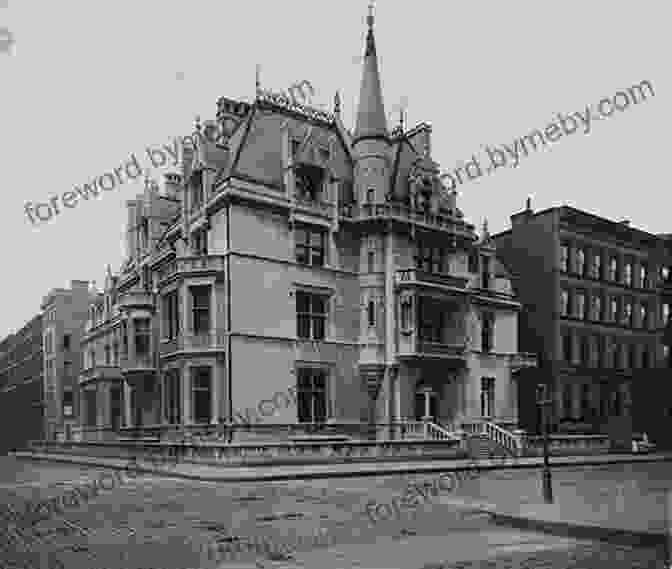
<point x="203" y="472"/>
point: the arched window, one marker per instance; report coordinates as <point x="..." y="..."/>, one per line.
<point x="371" y="313"/>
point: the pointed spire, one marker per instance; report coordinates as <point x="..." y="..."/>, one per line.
<point x="371" y="119"/>
<point x="257" y="82"/>
<point x="486" y="233"/>
<point x="337" y="103"/>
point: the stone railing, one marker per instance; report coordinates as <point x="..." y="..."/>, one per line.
<point x="192" y="264"/>
<point x="237" y="454"/>
<point x="567" y="445"/>
<point x="511" y="442"/>
<point x="215" y="339"/>
<point x="416" y="276"/>
<point x="402" y="213"/>
<point x="455" y="349"/>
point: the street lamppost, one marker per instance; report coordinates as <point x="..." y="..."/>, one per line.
<point x="544" y="402"/>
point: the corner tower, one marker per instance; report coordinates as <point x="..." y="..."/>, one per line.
<point x="371" y="141"/>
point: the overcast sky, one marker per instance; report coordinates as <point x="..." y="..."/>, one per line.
<point x="87" y="83"/>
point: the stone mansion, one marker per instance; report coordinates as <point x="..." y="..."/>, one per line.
<point x="291" y="251"/>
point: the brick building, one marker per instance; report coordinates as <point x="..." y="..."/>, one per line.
<point x="64" y="313"/>
<point x="293" y="252"/>
<point x="21" y="396"/>
<point x="594" y="312"/>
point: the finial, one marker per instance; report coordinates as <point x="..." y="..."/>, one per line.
<point x="528" y="204"/>
<point x="485" y="228"/>
<point x="369" y="18"/>
<point x="401" y="118"/>
<point x="198" y="123"/>
<point x="109" y="270"/>
<point x="257" y="82"/>
<point x="337" y="103"/>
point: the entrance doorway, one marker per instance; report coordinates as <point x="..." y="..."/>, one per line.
<point x="426" y="404"/>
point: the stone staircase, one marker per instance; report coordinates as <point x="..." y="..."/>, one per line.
<point x="481" y="447"/>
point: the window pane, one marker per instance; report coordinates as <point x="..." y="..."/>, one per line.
<point x="318" y="258"/>
<point x="318" y="328"/>
<point x="302" y="302"/>
<point x="303" y="326"/>
<point x="319" y="304"/>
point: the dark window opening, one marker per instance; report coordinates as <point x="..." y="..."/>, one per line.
<point x="312" y="395"/>
<point x="309" y="179"/>
<point x="311" y="315"/>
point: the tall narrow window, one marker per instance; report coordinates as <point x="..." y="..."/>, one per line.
<point x="596" y="265"/>
<point x="66" y="342"/>
<point x="567" y="401"/>
<point x="487" y="396"/>
<point x="200" y="241"/>
<point x="485" y="272"/>
<point x="626" y="317"/>
<point x="580" y="305"/>
<point x="564" y="303"/>
<point x="311" y="315"/>
<point x="200" y="308"/>
<point x="567" y="347"/>
<point x="406" y="313"/>
<point x="564" y="258"/>
<point x="311" y="395"/>
<point x="171" y="315"/>
<point x="142" y="336"/>
<point x="371" y="313"/>
<point x="595" y="306"/>
<point x="634" y="360"/>
<point x="310" y="246"/>
<point x="173" y="397"/>
<point x="201" y="392"/>
<point x="613" y="309"/>
<point x="627" y="274"/>
<point x="613" y="269"/>
<point x="665" y="312"/>
<point x="580" y="262"/>
<point x="487" y="331"/>
<point x="431" y="320"/>
<point x="91" y="409"/>
<point x="585" y="351"/>
<point x="644" y="275"/>
<point x="108" y="354"/>
<point x="68" y="403"/>
<point x="644" y="315"/>
<point x="371" y="261"/>
<point x="370" y="195"/>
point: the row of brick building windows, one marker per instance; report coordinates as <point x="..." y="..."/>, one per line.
<point x="590" y="263"/>
<point x="598" y="400"/>
<point x="601" y="307"/>
<point x="606" y="352"/>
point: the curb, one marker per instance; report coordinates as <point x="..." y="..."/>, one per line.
<point x="582" y="531"/>
<point x="368" y="469"/>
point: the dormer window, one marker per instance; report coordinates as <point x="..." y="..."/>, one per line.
<point x="309" y="179"/>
